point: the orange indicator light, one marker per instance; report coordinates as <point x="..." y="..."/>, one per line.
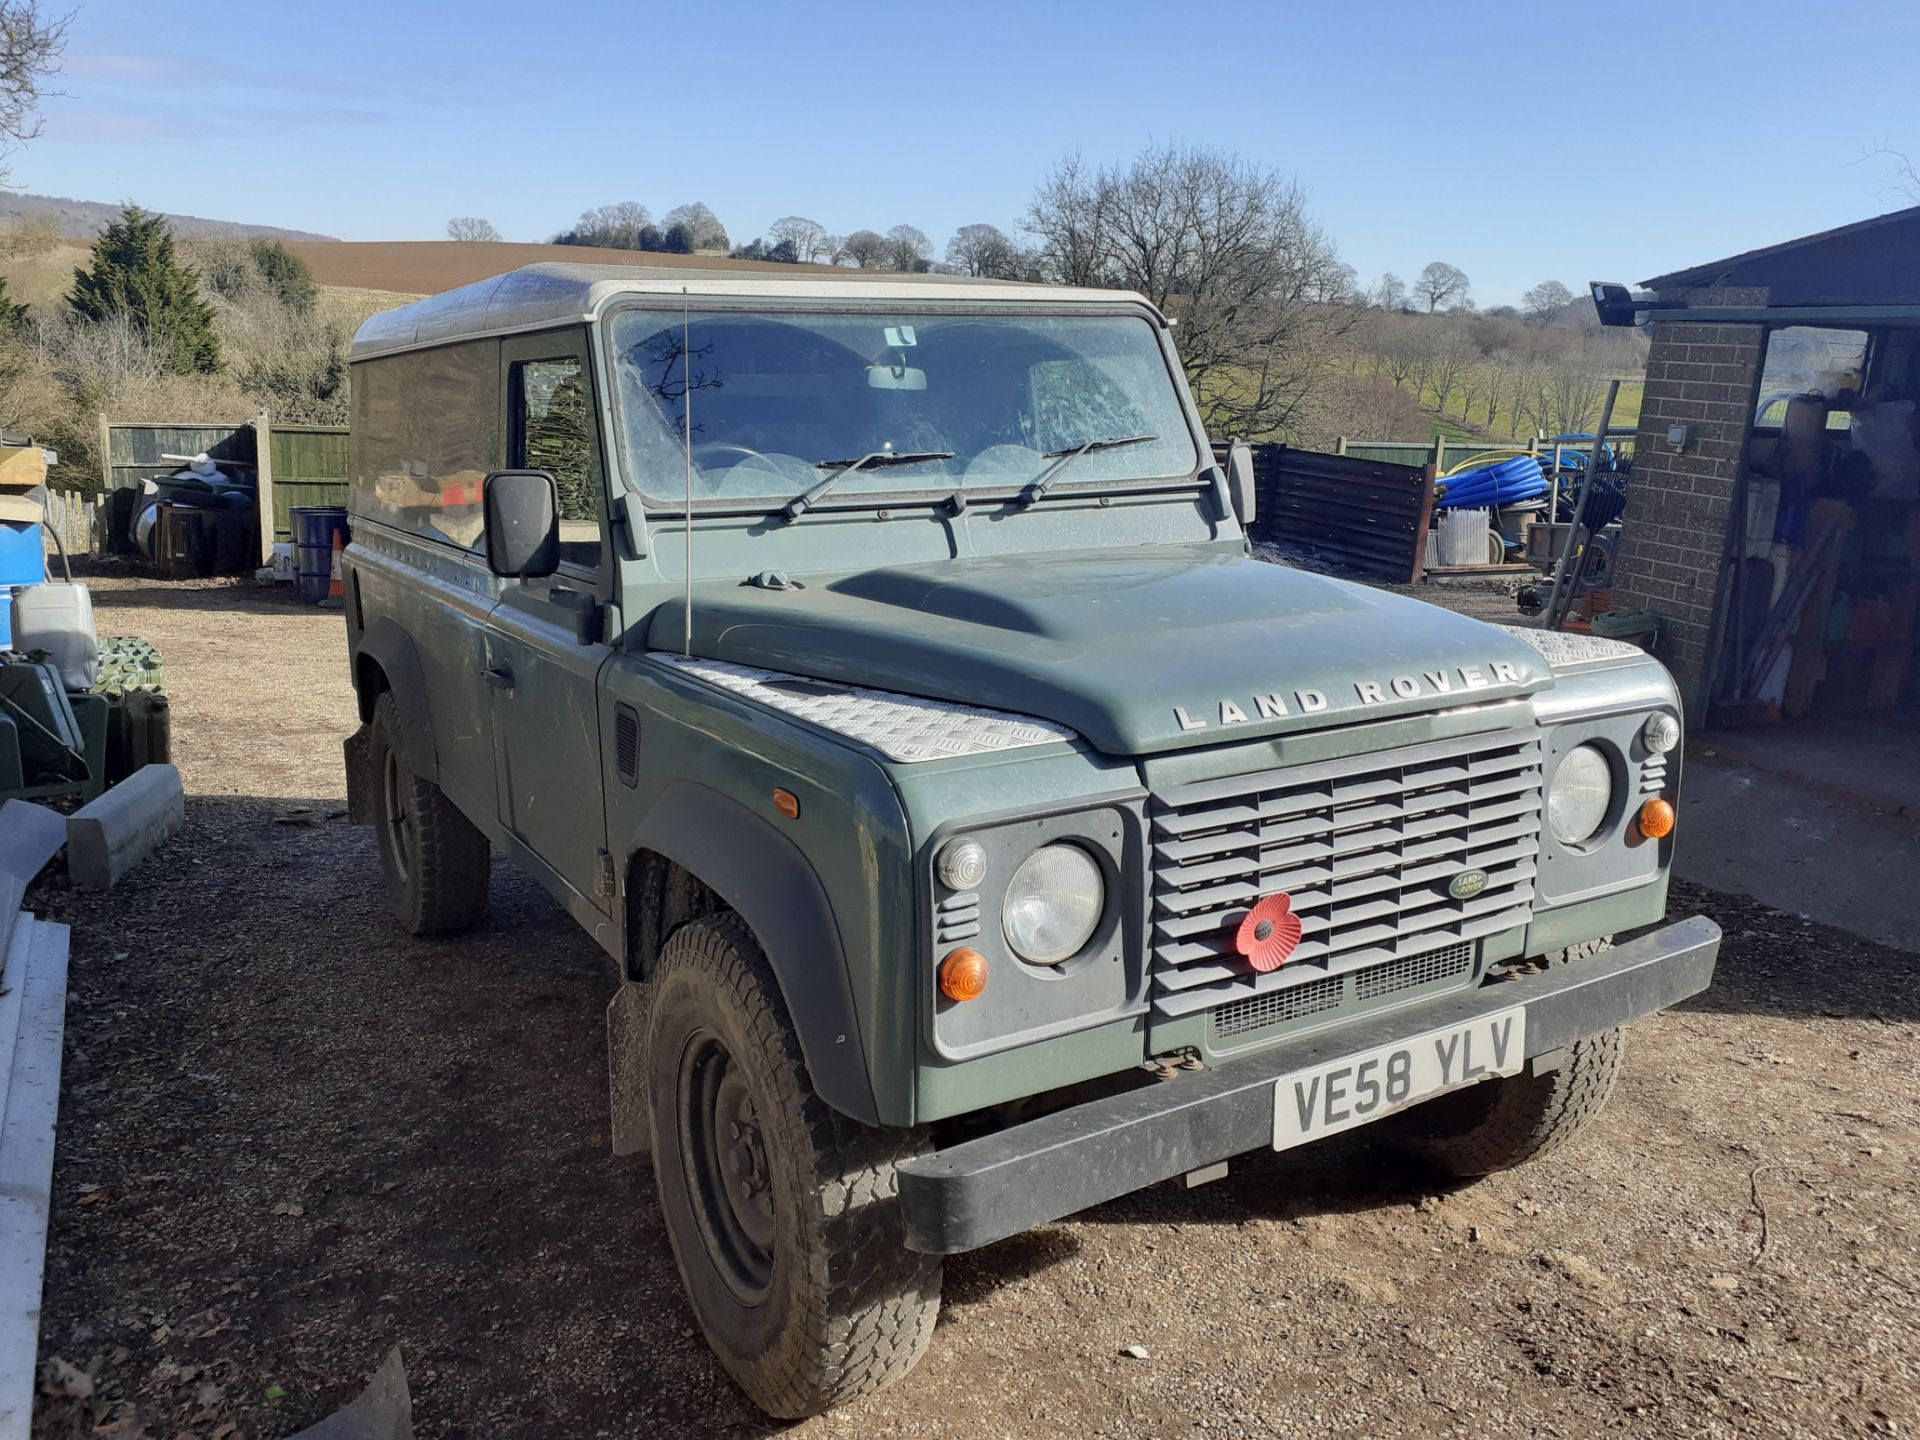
<point x="787" y="803"/>
<point x="1656" y="819"/>
<point x="963" y="975"/>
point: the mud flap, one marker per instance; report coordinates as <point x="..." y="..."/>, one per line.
<point x="627" y="1069"/>
<point x="357" y="751"/>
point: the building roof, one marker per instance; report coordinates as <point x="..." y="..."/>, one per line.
<point x="1870" y="262"/>
<point x="535" y="297"/>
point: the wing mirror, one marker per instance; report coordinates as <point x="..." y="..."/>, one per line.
<point x="1240" y="487"/>
<point x="523" y="523"/>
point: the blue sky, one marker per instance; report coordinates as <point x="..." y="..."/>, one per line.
<point x="1519" y="141"/>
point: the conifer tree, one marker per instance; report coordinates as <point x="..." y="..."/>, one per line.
<point x="136" y="273"/>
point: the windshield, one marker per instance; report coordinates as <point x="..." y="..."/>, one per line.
<point x="931" y="402"/>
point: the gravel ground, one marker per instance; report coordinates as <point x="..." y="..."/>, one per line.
<point x="291" y="1139"/>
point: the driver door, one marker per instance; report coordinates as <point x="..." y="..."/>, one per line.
<point x="543" y="678"/>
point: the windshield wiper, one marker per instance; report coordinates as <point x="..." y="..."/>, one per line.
<point x="875" y="460"/>
<point x="1043" y="482"/>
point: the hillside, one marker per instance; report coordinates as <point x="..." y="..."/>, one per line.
<point x="426" y="267"/>
<point x="83" y="219"/>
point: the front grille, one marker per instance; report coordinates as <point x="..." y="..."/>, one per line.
<point x="1276" y="1007"/>
<point x="1330" y="992"/>
<point x="1366" y="846"/>
<point x="1450" y="963"/>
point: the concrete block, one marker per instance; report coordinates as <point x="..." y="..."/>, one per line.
<point x="30" y="836"/>
<point x="109" y="836"/>
<point x="36" y="968"/>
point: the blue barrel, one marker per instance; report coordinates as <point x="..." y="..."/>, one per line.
<point x="23" y="553"/>
<point x="6" y="617"/>
<point x="314" y="527"/>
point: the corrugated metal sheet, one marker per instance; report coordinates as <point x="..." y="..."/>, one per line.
<point x="1370" y="515"/>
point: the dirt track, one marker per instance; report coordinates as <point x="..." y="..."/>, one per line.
<point x="291" y="1139"/>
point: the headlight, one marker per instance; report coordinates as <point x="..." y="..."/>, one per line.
<point x="1581" y="793"/>
<point x="1661" y="733"/>
<point x="1054" y="902"/>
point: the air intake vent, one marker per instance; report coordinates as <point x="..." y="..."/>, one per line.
<point x="626" y="745"/>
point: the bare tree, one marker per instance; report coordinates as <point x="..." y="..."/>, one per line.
<point x="471" y="227"/>
<point x="1452" y="356"/>
<point x="868" y="249"/>
<point x="908" y="249"/>
<point x="31" y="45"/>
<point x="1390" y="291"/>
<point x="1401" y="347"/>
<point x="1575" y="385"/>
<point x="622" y="226"/>
<point x="1501" y="366"/>
<point x="1440" y="284"/>
<point x="1224" y="246"/>
<point x="1903" y="171"/>
<point x="1340" y="285"/>
<point x="704" y="230"/>
<point x="1069" y="216"/>
<point x="1547" y="301"/>
<point x="985" y="251"/>
<point x="809" y="237"/>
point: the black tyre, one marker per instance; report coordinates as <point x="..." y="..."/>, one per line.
<point x="782" y="1213"/>
<point x="435" y="861"/>
<point x="1499" y="1124"/>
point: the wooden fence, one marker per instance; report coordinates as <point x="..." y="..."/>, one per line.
<point x="73" y="515"/>
<point x="1369" y="515"/>
<point x="306" y="465"/>
<point x="292" y="464"/>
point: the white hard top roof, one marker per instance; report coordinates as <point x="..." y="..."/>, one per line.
<point x="556" y="293"/>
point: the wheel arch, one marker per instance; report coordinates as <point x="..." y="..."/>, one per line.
<point x="386" y="659"/>
<point x="750" y="868"/>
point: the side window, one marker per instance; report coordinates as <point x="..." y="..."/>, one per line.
<point x="553" y="431"/>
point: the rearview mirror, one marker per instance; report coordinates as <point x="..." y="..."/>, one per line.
<point x="1240" y="487"/>
<point x="895" y="377"/>
<point x="523" y="523"/>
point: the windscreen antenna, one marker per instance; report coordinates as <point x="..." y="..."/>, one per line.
<point x="686" y="429"/>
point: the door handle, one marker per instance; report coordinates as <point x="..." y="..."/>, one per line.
<point x="500" y="679"/>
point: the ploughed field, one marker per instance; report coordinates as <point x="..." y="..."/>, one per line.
<point x="291" y="1138"/>
<point x="426" y="267"/>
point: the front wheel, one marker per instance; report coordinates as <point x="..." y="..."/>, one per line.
<point x="1498" y="1124"/>
<point x="783" y="1214"/>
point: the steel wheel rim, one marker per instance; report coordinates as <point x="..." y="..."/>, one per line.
<point x="725" y="1161"/>
<point x="399" y="829"/>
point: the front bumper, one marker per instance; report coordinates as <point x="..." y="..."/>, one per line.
<point x="987" y="1189"/>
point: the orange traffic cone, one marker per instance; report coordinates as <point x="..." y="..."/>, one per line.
<point x="336" y="588"/>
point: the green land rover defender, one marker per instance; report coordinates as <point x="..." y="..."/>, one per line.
<point x="875" y="666"/>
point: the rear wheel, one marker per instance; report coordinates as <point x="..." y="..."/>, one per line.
<point x="783" y="1214"/>
<point x="436" y="862"/>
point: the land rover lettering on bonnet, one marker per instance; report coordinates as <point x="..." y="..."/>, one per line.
<point x="876" y="668"/>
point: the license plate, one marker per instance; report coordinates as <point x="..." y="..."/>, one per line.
<point x="1344" y="1093"/>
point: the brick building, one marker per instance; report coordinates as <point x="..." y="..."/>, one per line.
<point x="1771" y="520"/>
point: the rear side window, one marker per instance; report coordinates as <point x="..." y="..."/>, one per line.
<point x="553" y="431"/>
<point x="426" y="431"/>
